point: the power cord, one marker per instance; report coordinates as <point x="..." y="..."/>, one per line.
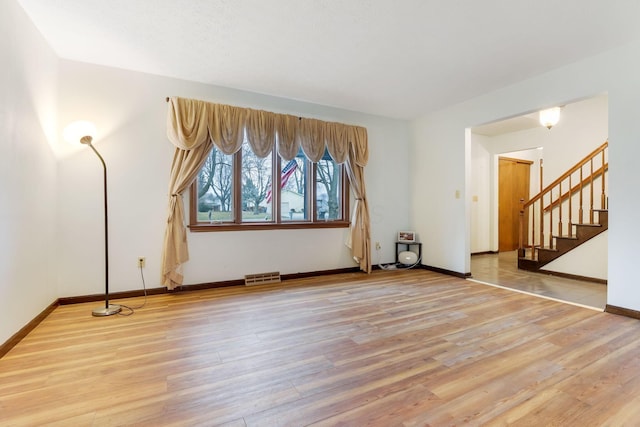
<point x="384" y="266"/>
<point x="398" y="265"/>
<point x="133" y="309"/>
<point x="407" y="267"/>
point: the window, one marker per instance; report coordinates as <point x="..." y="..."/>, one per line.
<point x="243" y="191"/>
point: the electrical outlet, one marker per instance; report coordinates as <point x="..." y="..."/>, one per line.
<point x="141" y="261"/>
<point x="377" y="246"/>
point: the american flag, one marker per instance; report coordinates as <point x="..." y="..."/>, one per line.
<point x="287" y="171"/>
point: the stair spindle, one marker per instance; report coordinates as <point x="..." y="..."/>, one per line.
<point x="560" y="209"/>
<point x="580" y="210"/>
<point x="570" y="225"/>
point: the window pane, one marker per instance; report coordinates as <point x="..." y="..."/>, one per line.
<point x="215" y="188"/>
<point x="294" y="203"/>
<point x="256" y="186"/>
<point x="328" y="190"/>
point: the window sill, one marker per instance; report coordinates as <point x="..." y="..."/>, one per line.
<point x="203" y="227"/>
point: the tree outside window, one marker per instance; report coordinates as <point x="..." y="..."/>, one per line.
<point x="214" y="186"/>
<point x="256" y="184"/>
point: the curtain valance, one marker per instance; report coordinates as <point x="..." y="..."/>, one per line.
<point x="194" y="127"/>
<point x="191" y="122"/>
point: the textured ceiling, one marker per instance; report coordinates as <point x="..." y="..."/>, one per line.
<point x="399" y="58"/>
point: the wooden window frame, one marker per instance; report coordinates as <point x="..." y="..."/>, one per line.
<point x="276" y="223"/>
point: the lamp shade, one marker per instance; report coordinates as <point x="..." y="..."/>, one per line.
<point x="75" y="131"/>
<point x="550" y="117"/>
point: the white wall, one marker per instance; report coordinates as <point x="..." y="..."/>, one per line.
<point x="130" y="108"/>
<point x="586" y="260"/>
<point x="438" y="176"/>
<point x="438" y="150"/>
<point x="27" y="171"/>
<point x="482" y="198"/>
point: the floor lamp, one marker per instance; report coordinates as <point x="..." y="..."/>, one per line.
<point x="84" y="132"/>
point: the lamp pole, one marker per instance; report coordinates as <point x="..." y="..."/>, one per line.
<point x="108" y="309"/>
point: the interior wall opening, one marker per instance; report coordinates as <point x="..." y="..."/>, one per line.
<point x="583" y="126"/>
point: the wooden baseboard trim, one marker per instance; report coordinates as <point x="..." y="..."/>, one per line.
<point x="194" y="287"/>
<point x="320" y="273"/>
<point x="240" y="282"/>
<point x="18" y="336"/>
<point x="444" y="271"/>
<point x="485" y="253"/>
<point x="206" y="285"/>
<point x="573" y="276"/>
<point x="112" y="295"/>
<point x="627" y="312"/>
<point x="24" y="331"/>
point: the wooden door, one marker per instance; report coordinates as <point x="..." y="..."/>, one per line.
<point x="513" y="185"/>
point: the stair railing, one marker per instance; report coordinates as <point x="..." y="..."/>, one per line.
<point x="562" y="202"/>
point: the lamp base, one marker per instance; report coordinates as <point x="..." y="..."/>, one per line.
<point x="107" y="311"/>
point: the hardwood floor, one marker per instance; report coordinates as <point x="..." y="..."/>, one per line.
<point x="502" y="269"/>
<point x="394" y="348"/>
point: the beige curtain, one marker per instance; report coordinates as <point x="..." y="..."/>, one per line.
<point x="195" y="126"/>
<point x="187" y="130"/>
<point x="287" y="135"/>
<point x="337" y="141"/>
<point x="226" y="126"/>
<point x="311" y="138"/>
<point x="261" y="132"/>
<point x="360" y="236"/>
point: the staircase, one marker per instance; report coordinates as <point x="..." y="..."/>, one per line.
<point x="555" y="221"/>
<point x="564" y="244"/>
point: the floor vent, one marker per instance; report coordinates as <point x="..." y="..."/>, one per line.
<point x="262" y="278"/>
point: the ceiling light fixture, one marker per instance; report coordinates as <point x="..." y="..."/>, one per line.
<point x="550" y="117"/>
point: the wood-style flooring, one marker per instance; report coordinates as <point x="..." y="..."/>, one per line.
<point x="502" y="269"/>
<point x="394" y="348"/>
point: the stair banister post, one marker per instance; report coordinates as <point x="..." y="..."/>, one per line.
<point x="591" y="193"/>
<point x="521" y="250"/>
<point x="541" y="219"/>
<point x="603" y="196"/>
<point x="551" y="220"/>
<point x="532" y="221"/>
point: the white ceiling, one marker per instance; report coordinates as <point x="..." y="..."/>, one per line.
<point x="399" y="58"/>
